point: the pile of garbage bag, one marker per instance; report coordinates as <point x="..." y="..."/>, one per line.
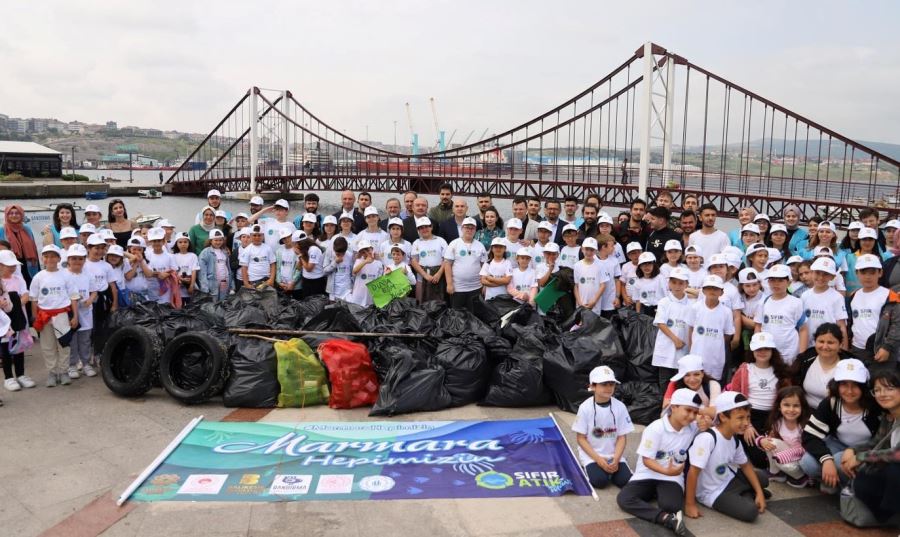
<point x="431" y="356"/>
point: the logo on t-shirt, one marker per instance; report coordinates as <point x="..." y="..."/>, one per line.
<point x="581" y="280"/>
<point x="855" y="314"/>
<point x="721" y="469"/>
<point x="670" y="323"/>
<point x="362" y="276"/>
<point x="463" y="253"/>
<point x="701" y="330"/>
<point x="631" y="281"/>
<point x="256" y="260"/>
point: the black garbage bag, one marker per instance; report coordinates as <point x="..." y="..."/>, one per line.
<point x="498" y="350"/>
<point x="486" y="312"/>
<point x="638" y="338"/>
<point x="385" y="352"/>
<point x="334" y="318"/>
<point x="525" y="315"/>
<point x="518" y="381"/>
<point x="503" y="304"/>
<point x="180" y="321"/>
<point x="453" y="322"/>
<point x="411" y="386"/>
<point x="594" y="343"/>
<point x="309" y="308"/>
<point x="565" y="280"/>
<point x="253" y="381"/>
<point x="246" y="316"/>
<point x="644" y="401"/>
<point x="466" y="368"/>
<point x="406" y="317"/>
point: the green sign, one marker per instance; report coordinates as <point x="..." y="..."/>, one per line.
<point x="548" y="296"/>
<point x="388" y="287"/>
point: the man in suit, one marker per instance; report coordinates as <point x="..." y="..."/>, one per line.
<point x="452" y="227"/>
<point x="419" y="209"/>
<point x="347" y="200"/>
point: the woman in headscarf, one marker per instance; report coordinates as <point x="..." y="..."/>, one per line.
<point x="21" y="240"/>
<point x="199" y="233"/>
<point x="745" y="216"/>
<point x="797" y="234"/>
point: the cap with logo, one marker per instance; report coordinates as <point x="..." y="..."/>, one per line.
<point x="283" y="204"/>
<point x="545" y="226"/>
<point x="107" y="234"/>
<point x="68" y="233"/>
<point x="717" y="259"/>
<point x="87" y="228"/>
<point x="604" y="219"/>
<point x="713" y="281"/>
<point x="214" y="192"/>
<point x="778" y="228"/>
<point x="362" y="244"/>
<point x="729" y="401"/>
<point x="346" y="216"/>
<point x="370" y="211"/>
<point x="284" y="233"/>
<point x="634" y="247"/>
<point x="422" y="222"/>
<point x="857" y="225"/>
<point x="92" y="209"/>
<point x="672" y="244"/>
<point x="824" y="264"/>
<point x="97" y="240"/>
<point x="221" y="214"/>
<point x="569" y="227"/>
<point x="868" y="233"/>
<point x="330" y="219"/>
<point x="679" y="273"/>
<point x="156" y="234"/>
<point x="602" y="374"/>
<point x="646" y="257"/>
<point x="590" y="242"/>
<point x="867" y="261"/>
<point x="851" y="369"/>
<point x="469" y="221"/>
<point x="257" y="200"/>
<point x="525" y="252"/>
<point x="794" y="259"/>
<point x="394" y="222"/>
<point x="778" y="271"/>
<point x="762" y="216"/>
<point x="892" y="224"/>
<point x="551" y="247"/>
<point x="750" y="228"/>
<point x="762" y="340"/>
<point x="498" y="241"/>
<point x="514" y="223"/>
<point x="8" y="258"/>
<point x="76" y="250"/>
<point x="688" y="364"/>
<point x="115" y="249"/>
<point x="50" y="249"/>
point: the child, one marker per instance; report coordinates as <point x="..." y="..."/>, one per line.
<point x="782" y="439"/>
<point x="571" y="252"/>
<point x="601" y="430"/>
<point x="673" y="259"/>
<point x="693" y="257"/>
<point x="711" y="327"/>
<point x="750" y="287"/>
<point x="164" y="267"/>
<point x="648" y="289"/>
<point x="823" y="304"/>
<point x="103" y="283"/>
<point x="629" y="271"/>
<point x="544" y="232"/>
<point x="691" y="376"/>
<point x="609" y="300"/>
<point x="86" y="290"/>
<point x="398" y="255"/>
<point x="118" y="266"/>
<point x="67" y="237"/>
<point x="749" y="236"/>
<point x="139" y="272"/>
<point x="782" y="316"/>
<point x="345" y="225"/>
<point x="523" y="281"/>
<point x="287" y="272"/>
<point x="802" y="277"/>
<point x="338" y="266"/>
<point x="757" y="259"/>
<point x="54" y="306"/>
<point x="215" y="276"/>
<point x="713" y="478"/>
<point x="660" y="465"/>
<point x="188" y="266"/>
<point x="329" y="228"/>
<point x="312" y="276"/>
<point x="869" y="309"/>
<point x="513" y="237"/>
<point x="257" y="261"/>
<point x="590" y="279"/>
<point x="13" y="300"/>
<point x="395" y="232"/>
<point x="373" y="234"/>
<point x="496" y="273"/>
<point x="671" y="340"/>
<point x="428" y="262"/>
<point x="546" y="270"/>
<point x="366" y="269"/>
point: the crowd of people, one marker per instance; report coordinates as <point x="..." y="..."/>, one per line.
<point x="777" y="347"/>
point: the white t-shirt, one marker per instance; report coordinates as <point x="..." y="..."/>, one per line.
<point x="315" y="256"/>
<point x="288" y="264"/>
<point x="619" y="254"/>
<point x="602" y="425"/>
<point x="360" y="294"/>
<point x="674" y="314"/>
<point x="538" y="250"/>
<point x="257" y="259"/>
<point x="696" y="277"/>
<point x="752" y="305"/>
<point x="117" y="274"/>
<point x="100" y="272"/>
<point x="403" y="267"/>
<point x="568" y="256"/>
<point x="160" y="262"/>
<point x="714" y="243"/>
<point x="376" y="238"/>
<point x="466" y="259"/>
<point x="628" y="277"/>
<point x="512" y="248"/>
<point x="52" y="290"/>
<point x="187" y="264"/>
<point x="543" y="268"/>
<point x="342" y="278"/>
<point x="648" y="291"/>
<point x="718" y="460"/>
<point x="139" y="283"/>
<point x="782" y="318"/>
<point x="430" y="252"/>
<point x="708" y="330"/>
<point x="523" y="280"/>
<point x="815" y="384"/>
<point x="731" y="298"/>
<point x="85" y="285"/>
<point x="852" y="431"/>
<point x="821" y="308"/>
<point x="762" y="387"/>
<point x="662" y="443"/>
<point x="272" y="229"/>
<point x="495" y="269"/>
<point x="385" y="250"/>
<point x="588" y="278"/>
<point x="665" y="269"/>
<point x="610" y="266"/>
<point x="866" y="309"/>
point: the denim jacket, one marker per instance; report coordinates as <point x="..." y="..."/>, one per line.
<point x="206" y="280"/>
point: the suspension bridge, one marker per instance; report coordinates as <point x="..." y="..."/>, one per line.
<point x="657" y="121"/>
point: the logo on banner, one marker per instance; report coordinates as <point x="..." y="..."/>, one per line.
<point x="376" y="483"/>
<point x="493" y="480"/>
<point x="291" y="484"/>
<point x="248" y="485"/>
<point x="203" y="484"/>
<point x="335" y="484"/>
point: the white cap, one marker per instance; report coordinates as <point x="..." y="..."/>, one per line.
<point x="362" y="244"/>
<point x="298" y="236"/>
<point x="822" y="250"/>
<point x="183" y="235"/>
<point x="868" y="261"/>
<point x="570" y="227"/>
<point x="748" y="275"/>
<point x="283" y="204"/>
<point x="762" y="340"/>
<point x="778" y="227"/>
<point x="255" y="228"/>
<point x="590" y="242"/>
<point x="733" y="251"/>
<point x="87" y="227"/>
<point x="95" y="240"/>
<point x="685" y="397"/>
<point x="164" y="223"/>
<point x="68" y="232"/>
<point x="107" y="234"/>
<point x="672" y="244"/>
<point x="400" y="246"/>
<point x="346" y="216"/>
<point x="241" y="215"/>
<point x="868" y="233"/>
<point x="284" y="233"/>
<point x="525" y="252"/>
<point x="394" y="222"/>
<point x="76" y="250"/>
<point x="646" y="257"/>
<point x="602" y="374"/>
<point x="545" y="225"/>
<point x="824" y="264"/>
<point x="734" y="260"/>
<point x="309" y="217"/>
<point x="257" y="200"/>
<point x="330" y="219"/>
<point x="713" y="281"/>
<point x="688" y="364"/>
<point x="693" y="249"/>
<point x="551" y="247"/>
<point x="243" y="232"/>
<point x="216" y="234"/>
<point x="370" y="211"/>
<point x="220" y="214"/>
<point x="514" y="222"/>
<point x="794" y="259"/>
<point x="156" y="234"/>
<point x="892" y="224"/>
<point x="137" y="241"/>
<point x="778" y="271"/>
<point x="213" y="192"/>
<point x="469" y="221"/>
<point x="604" y="219"/>
<point x="498" y="241"/>
<point x="633" y="247"/>
<point x="729" y="401"/>
<point x="8" y="258"/>
<point x="717" y="259"/>
<point x="49" y="249"/>
<point x="115" y="249"/>
<point x="422" y="222"/>
<point x="679" y="273"/>
<point x="756" y="247"/>
<point x="851" y="369"/>
<point x="774" y="255"/>
<point x="92" y="209"/>
<point x="827" y="224"/>
<point x="750" y="228"/>
<point x="855" y="225"/>
<point x="762" y="216"/>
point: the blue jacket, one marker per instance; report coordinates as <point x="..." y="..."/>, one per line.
<point x="206" y="280"/>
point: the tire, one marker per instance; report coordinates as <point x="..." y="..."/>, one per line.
<point x="130" y="361"/>
<point x="194" y="367"/>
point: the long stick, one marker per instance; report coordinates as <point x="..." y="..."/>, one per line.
<point x="158" y="460"/>
<point x="577" y="462"/>
<point x="270" y="332"/>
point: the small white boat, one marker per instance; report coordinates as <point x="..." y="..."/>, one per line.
<point x="147" y="219"/>
<point x="150" y="194"/>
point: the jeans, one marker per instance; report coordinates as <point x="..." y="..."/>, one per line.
<point x="813" y="468"/>
<point x="600" y="479"/>
<point x="80" y="348"/>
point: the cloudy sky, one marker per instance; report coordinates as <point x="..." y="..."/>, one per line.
<point x="489" y="64"/>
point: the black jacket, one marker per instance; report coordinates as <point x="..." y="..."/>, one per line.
<point x="410" y="231"/>
<point x="825" y="421"/>
<point x="656" y="242"/>
<point x="448" y="230"/>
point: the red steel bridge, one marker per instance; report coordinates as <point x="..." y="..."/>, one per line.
<point x="657" y="119"/>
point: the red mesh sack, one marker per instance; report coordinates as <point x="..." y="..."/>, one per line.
<point x="353" y="380"/>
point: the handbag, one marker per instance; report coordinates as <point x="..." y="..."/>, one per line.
<point x="853" y="510"/>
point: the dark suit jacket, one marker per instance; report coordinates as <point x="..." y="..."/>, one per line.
<point x="448" y="230"/>
<point x="410" y="231"/>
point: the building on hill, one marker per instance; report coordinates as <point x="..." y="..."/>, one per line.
<point x="29" y="159"/>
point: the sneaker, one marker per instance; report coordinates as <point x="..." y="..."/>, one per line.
<point x="767" y="494"/>
<point x="73" y="373"/>
<point x="64" y="380"/>
<point x="89" y="371"/>
<point x="12" y="385"/>
<point x="52" y="380"/>
<point x="25" y="381"/>
<point x="801" y="483"/>
<point x="674" y="522"/>
<point x="825" y="489"/>
<point x="777" y="477"/>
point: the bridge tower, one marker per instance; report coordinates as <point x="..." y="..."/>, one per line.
<point x="658" y="107"/>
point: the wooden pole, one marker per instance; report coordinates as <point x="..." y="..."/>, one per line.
<point x="270" y="332"/>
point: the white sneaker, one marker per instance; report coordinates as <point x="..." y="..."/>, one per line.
<point x="12" y="385"/>
<point x="89" y="371"/>
<point x="73" y="373"/>
<point x="25" y="381"/>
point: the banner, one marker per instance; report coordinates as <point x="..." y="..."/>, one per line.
<point x="388" y="287"/>
<point x="239" y="461"/>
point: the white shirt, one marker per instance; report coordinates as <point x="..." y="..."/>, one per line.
<point x="614" y="270"/>
<point x="430" y="252"/>
<point x="628" y="277"/>
<point x="187" y="264"/>
<point x="342" y="278"/>
<point x="588" y="278"/>
<point x="695" y="281"/>
<point x="376" y="238"/>
<point x="710" y="244"/>
<point x="665" y="269"/>
<point x="512" y="248"/>
<point x="648" y="291"/>
<point x="386" y="246"/>
<point x="360" y="294"/>
<point x="568" y="256"/>
<point x="866" y="309"/>
<point x="602" y="425"/>
<point x="161" y="262"/>
<point x="314" y="256"/>
<point x="662" y="443"/>
<point x="496" y="269"/>
<point x="752" y="305"/>
<point x="782" y="318"/>
<point x="257" y="259"/>
<point x="852" y="431"/>
<point x="523" y="280"/>
<point x="272" y="229"/>
<point x="815" y="385"/>
<point x="718" y="460"/>
<point x="288" y="263"/>
<point x="821" y="308"/>
<point x="762" y="387"/>
<point x="708" y="330"/>
<point x="731" y="298"/>
<point x="100" y="272"/>
<point x="403" y="267"/>
<point x="85" y="285"/>
<point x="466" y="259"/>
<point x="674" y="314"/>
<point x="538" y="250"/>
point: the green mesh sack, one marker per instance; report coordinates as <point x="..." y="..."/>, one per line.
<point x="303" y="379"/>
